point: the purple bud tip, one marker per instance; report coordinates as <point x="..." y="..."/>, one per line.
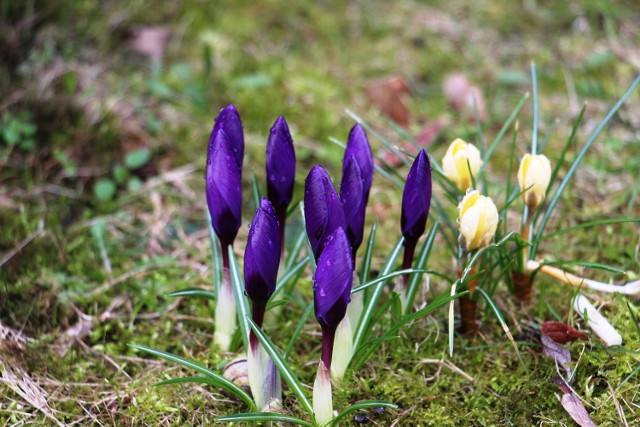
<point x="281" y="165"/>
<point x="229" y="121"/>
<point x="333" y="280"/>
<point x="322" y="209"/>
<point x="358" y="146"/>
<point x="353" y="202"/>
<point x="262" y="254"/>
<point x="416" y="198"/>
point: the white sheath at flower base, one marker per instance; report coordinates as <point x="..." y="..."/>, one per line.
<point x="478" y="218"/>
<point x="596" y="321"/>
<point x="322" y="398"/>
<point x="355" y="307"/>
<point x="342" y="348"/>
<point x="460" y="162"/>
<point x="534" y="176"/>
<point x="225" y="314"/>
<point x="264" y="380"/>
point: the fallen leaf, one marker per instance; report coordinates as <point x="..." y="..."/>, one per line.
<point x="558" y="352"/>
<point x="388" y="95"/>
<point x="572" y="404"/>
<point x="462" y="95"/>
<point x="151" y="42"/>
<point x="74" y="333"/>
<point x="561" y="332"/>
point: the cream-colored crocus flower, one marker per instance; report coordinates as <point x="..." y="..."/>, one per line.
<point x="533" y="177"/>
<point x="478" y="218"/>
<point x="460" y="162"/>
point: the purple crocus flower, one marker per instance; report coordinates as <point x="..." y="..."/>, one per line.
<point x="229" y="121"/>
<point x="353" y="203"/>
<point x="358" y="147"/>
<point x="332" y="288"/>
<point x="323" y="212"/>
<point x="281" y="169"/>
<point x="224" y="189"/>
<point x="416" y="200"/>
<point x="262" y="258"/>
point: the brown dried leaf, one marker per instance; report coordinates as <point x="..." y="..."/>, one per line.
<point x="74" y="333"/>
<point x="388" y="95"/>
<point x="557" y="352"/>
<point x="462" y="94"/>
<point x="561" y="332"/>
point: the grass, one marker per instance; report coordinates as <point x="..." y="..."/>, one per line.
<point x="92" y="100"/>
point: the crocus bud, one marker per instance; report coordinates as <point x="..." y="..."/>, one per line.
<point x="358" y="147"/>
<point x="262" y="255"/>
<point x="281" y="165"/>
<point x="353" y="203"/>
<point x="416" y="198"/>
<point x="332" y="288"/>
<point x="323" y="212"/>
<point x="460" y="163"/>
<point x="478" y="218"/>
<point x="229" y="121"/>
<point x="534" y="176"/>
<point x="223" y="175"/>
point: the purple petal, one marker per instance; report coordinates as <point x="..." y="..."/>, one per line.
<point x="353" y="202"/>
<point x="224" y="189"/>
<point x="281" y="165"/>
<point x="333" y="280"/>
<point x="416" y="198"/>
<point x="229" y="120"/>
<point x="322" y="208"/>
<point x="358" y="146"/>
<point x="262" y="254"/>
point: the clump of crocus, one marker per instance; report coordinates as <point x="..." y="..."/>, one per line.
<point x="416" y="201"/>
<point x="323" y="212"/>
<point x="281" y="170"/>
<point x="261" y="260"/>
<point x="223" y="180"/>
<point x="461" y="162"/>
<point x="331" y="295"/>
<point x="478" y="219"/>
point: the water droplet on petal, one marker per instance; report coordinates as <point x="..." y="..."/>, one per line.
<point x="328" y="263"/>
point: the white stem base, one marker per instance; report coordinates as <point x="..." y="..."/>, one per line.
<point x="596" y="321"/>
<point x="225" y="316"/>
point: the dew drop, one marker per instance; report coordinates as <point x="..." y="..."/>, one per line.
<point x="270" y="242"/>
<point x="272" y="177"/>
<point x="283" y="178"/>
<point x="328" y="263"/>
<point x="322" y="293"/>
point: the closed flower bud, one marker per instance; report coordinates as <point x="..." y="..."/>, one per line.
<point x="323" y="212"/>
<point x="353" y="203"/>
<point x="478" y="218"/>
<point x="262" y="254"/>
<point x="358" y="147"/>
<point x="533" y="177"/>
<point x="223" y="175"/>
<point x="281" y="165"/>
<point x="416" y="198"/>
<point x="461" y="162"/>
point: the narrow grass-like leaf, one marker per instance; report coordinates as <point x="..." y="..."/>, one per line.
<point x="595" y="223"/>
<point x="364" y="325"/>
<point x="291" y="272"/>
<point x="216" y="257"/>
<point x="549" y="134"/>
<point x="587" y="264"/>
<point x="255" y="190"/>
<point x="297" y="247"/>
<point x="296" y="332"/>
<point x="312" y="260"/>
<point x="383" y="278"/>
<point x="365" y="404"/>
<point x="263" y="417"/>
<point x="504" y="325"/>
<point x="512" y="154"/>
<point x="285" y="370"/>
<point x="368" y="253"/>
<point x="242" y="305"/>
<point x="536" y="110"/>
<point x="221" y="381"/>
<point x="503" y="130"/>
<point x="373" y="345"/>
<point x="414" y="281"/>
<point x="578" y="159"/>
<point x="193" y="292"/>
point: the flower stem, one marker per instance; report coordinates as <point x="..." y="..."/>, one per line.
<point x="257" y="312"/>
<point x="468" y="305"/>
<point x="328" y="336"/>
